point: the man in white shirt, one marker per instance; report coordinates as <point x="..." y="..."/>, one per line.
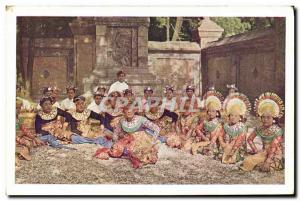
<point x="119" y="85"/>
<point x="95" y="106"/>
<point x="68" y="104"/>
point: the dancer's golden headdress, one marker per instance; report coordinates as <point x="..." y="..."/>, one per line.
<point x="237" y="103"/>
<point x="213" y="99"/>
<point x="269" y="104"/>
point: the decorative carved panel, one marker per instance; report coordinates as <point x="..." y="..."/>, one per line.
<point x="122" y="46"/>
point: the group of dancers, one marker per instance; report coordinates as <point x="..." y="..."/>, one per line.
<point x="213" y="126"/>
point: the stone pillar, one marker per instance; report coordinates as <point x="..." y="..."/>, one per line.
<point x="209" y="31"/>
<point x="83" y="30"/>
<point x="143" y="45"/>
<point x="101" y="51"/>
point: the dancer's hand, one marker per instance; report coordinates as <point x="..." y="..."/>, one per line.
<point x="266" y="166"/>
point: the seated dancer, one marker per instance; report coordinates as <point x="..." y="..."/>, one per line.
<point x="165" y="119"/>
<point x="95" y="106"/>
<point x="127" y="93"/>
<point x="68" y="104"/>
<point x="25" y="139"/>
<point x="81" y="128"/>
<point x="187" y="122"/>
<point x="169" y="101"/>
<point x="210" y="130"/>
<point x="54" y="96"/>
<point x="112" y="112"/>
<point x="135" y="139"/>
<point x="101" y="90"/>
<point x="148" y="92"/>
<point x="49" y="126"/>
<point x="192" y="98"/>
<point x="236" y="106"/>
<point x="48" y="92"/>
<point x="269" y="107"/>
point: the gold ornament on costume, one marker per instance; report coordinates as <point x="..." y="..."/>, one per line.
<point x="269" y="103"/>
<point x="81" y="116"/>
<point x="213" y="99"/>
<point x="237" y="103"/>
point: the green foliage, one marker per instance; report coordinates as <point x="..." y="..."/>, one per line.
<point x="158" y="29"/>
<point x="232" y="25"/>
<point x="188" y="31"/>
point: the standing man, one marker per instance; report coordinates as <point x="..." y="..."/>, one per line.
<point x="68" y="104"/>
<point x="119" y="85"/>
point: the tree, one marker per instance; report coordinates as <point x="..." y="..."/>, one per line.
<point x="231" y="25"/>
<point x="186" y="28"/>
<point x="177" y="28"/>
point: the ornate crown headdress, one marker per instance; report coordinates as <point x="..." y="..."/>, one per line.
<point x="269" y="103"/>
<point x="237" y="103"/>
<point x="213" y="99"/>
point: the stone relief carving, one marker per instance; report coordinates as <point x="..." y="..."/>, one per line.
<point x="121" y="46"/>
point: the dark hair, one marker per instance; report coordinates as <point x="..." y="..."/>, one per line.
<point x="127" y="91"/>
<point x="47" y="89"/>
<point x="44" y="99"/>
<point x="111" y="94"/>
<point x="276" y="119"/>
<point x="73" y="89"/>
<point x="243" y="119"/>
<point x="77" y="98"/>
<point x="120" y="73"/>
<point x="218" y="113"/>
<point x="190" y="89"/>
<point x="148" y="89"/>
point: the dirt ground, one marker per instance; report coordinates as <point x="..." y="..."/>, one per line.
<point x="61" y="166"/>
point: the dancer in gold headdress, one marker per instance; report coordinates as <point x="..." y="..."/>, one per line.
<point x="269" y="107"/>
<point x="211" y="129"/>
<point x="236" y="107"/>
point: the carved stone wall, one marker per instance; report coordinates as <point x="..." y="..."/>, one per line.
<point x="122" y="43"/>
